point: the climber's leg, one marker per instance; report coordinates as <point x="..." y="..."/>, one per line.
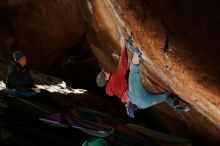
<point x="136" y="92"/>
<point x="144" y="99"/>
<point x="174" y="102"/>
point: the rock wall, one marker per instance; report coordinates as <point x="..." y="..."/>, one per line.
<point x="44" y="30"/>
<point x="14" y="3"/>
<point x="179" y="40"/>
<point x="181" y="52"/>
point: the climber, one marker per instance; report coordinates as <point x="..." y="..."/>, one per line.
<point x="131" y="91"/>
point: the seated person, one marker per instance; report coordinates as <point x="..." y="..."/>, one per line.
<point x="131" y="91"/>
<point x="18" y="80"/>
<point x="19" y="83"/>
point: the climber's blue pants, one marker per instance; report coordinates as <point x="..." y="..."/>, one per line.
<point x="141" y="97"/>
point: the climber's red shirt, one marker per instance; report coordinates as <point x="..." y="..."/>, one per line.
<point x="118" y="83"/>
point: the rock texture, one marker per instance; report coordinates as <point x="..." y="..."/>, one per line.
<point x="44" y="30"/>
<point x="179" y="40"/>
<point x="181" y="52"/>
<point x="13" y="3"/>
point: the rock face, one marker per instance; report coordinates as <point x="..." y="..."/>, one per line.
<point x="13" y="3"/>
<point x="44" y="30"/>
<point x="181" y="52"/>
<point x="179" y="40"/>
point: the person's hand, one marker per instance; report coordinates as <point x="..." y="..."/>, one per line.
<point x="122" y="41"/>
<point x="37" y="90"/>
<point x="122" y="33"/>
<point x="129" y="33"/>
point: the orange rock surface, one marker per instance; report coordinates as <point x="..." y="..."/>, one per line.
<point x="179" y="40"/>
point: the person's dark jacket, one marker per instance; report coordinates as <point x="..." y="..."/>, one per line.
<point x="19" y="78"/>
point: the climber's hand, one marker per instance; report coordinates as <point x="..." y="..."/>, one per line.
<point x="122" y="41"/>
<point x="130" y="33"/>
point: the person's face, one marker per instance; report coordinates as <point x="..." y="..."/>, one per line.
<point x="23" y="61"/>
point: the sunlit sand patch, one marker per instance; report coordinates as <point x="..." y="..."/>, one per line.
<point x="57" y="88"/>
<point x="61" y="88"/>
<point x="2" y="85"/>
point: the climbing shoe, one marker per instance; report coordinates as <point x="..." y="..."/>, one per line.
<point x="176" y="102"/>
<point x="187" y="108"/>
<point x="133" y="48"/>
<point x="130" y="108"/>
<point x="183" y="109"/>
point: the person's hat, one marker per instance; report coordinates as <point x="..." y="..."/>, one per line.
<point x="100" y="80"/>
<point x="17" y="55"/>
